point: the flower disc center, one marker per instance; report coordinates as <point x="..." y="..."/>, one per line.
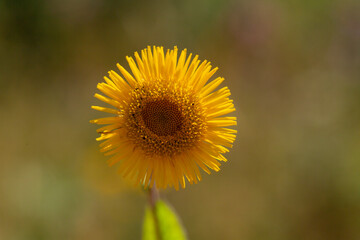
<point x="162" y="117"/>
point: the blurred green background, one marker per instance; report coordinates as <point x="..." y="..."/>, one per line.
<point x="294" y="71"/>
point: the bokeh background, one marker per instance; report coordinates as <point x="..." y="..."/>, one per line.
<point x="294" y="71"/>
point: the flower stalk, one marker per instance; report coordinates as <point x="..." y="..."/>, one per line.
<point x="153" y="197"/>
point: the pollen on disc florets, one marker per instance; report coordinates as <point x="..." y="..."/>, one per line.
<point x="163" y="122"/>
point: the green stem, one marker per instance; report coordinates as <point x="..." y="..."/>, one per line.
<point x="153" y="198"/>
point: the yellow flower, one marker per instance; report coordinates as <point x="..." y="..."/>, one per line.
<point x="169" y="120"/>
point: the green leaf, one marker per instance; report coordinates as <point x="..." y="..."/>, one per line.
<point x="161" y="223"/>
<point x="149" y="228"/>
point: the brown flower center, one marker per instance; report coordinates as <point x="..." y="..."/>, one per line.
<point x="162" y="117"/>
<point x="163" y="122"/>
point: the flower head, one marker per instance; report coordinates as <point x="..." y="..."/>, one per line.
<point x="169" y="120"/>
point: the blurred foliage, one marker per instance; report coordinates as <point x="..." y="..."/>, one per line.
<point x="161" y="222"/>
<point x="294" y="71"/>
